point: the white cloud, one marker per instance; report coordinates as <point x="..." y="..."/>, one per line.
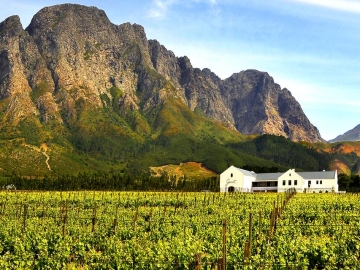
<point x="342" y="5"/>
<point x="161" y="8"/>
<point x="211" y="2"/>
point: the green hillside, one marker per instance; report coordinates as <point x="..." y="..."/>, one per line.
<point x="109" y="139"/>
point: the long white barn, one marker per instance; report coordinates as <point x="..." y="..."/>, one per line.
<point x="236" y="179"/>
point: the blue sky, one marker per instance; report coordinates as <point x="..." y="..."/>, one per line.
<point x="310" y="47"/>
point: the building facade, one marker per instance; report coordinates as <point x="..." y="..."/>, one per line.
<point x="236" y="179"/>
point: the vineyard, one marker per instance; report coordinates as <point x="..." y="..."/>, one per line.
<point x="163" y="230"/>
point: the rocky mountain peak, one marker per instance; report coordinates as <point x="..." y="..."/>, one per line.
<point x="11" y="27"/>
<point x="71" y="56"/>
<point x="260" y="106"/>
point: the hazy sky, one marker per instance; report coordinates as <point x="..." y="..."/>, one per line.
<point x="311" y="47"/>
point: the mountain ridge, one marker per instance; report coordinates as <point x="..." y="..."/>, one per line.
<point x="97" y="93"/>
<point x="121" y="56"/>
<point x="351" y="135"/>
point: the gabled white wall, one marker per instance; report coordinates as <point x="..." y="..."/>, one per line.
<point x="291" y="176"/>
<point x="232" y="176"/>
<point x="247" y="185"/>
<point x="323" y="185"/>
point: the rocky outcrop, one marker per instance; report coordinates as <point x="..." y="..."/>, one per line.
<point x="72" y="54"/>
<point x="260" y="106"/>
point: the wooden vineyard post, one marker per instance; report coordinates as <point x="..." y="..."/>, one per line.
<point x="18" y="211"/>
<point x="224" y="244"/>
<point x="197" y="262"/>
<point x="248" y="244"/>
<point x="78" y="212"/>
<point x="25" y="216"/>
<point x="60" y="211"/>
<point x="246" y="252"/>
<point x="94" y="218"/>
<point x="64" y="219"/>
<point x="220" y="263"/>
<point x="115" y="219"/>
<point x="184" y="203"/>
<point x="269" y="231"/>
<point x="3" y="206"/>
<point x="42" y="215"/>
<point x="150" y="217"/>
<point x="260" y="223"/>
<point x="115" y="225"/>
<point x="250" y="234"/>
<point x="273" y="218"/>
<point x="135" y="218"/>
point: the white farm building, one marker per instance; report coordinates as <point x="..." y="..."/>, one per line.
<point x="236" y="179"/>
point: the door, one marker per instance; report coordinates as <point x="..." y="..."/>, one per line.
<point x="231" y="189"/>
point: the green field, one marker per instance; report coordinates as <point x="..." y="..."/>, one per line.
<point x="163" y="230"/>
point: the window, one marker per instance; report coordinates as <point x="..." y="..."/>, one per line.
<point x="276" y="184"/>
<point x="317" y="182"/>
<point x="295" y="182"/>
<point x="268" y="184"/>
<point x="284" y="182"/>
<point x="289" y="174"/>
<point x="320" y="182"/>
<point x="289" y="182"/>
<point x="231" y="175"/>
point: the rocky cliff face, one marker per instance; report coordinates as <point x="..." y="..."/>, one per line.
<point x="260" y="106"/>
<point x="71" y="55"/>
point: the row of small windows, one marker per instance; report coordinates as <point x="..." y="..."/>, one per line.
<point x="265" y="184"/>
<point x="289" y="182"/>
<point x="295" y="182"/>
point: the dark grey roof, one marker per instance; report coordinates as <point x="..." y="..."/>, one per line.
<point x="275" y="176"/>
<point x="304" y="175"/>
<point x="317" y="175"/>
<point x="268" y="176"/>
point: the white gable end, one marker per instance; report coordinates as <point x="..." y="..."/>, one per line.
<point x="235" y="179"/>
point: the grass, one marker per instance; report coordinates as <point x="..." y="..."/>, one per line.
<point x="116" y="93"/>
<point x="40" y="89"/>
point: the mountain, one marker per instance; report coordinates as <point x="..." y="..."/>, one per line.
<point x="352" y="135"/>
<point x="80" y="93"/>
